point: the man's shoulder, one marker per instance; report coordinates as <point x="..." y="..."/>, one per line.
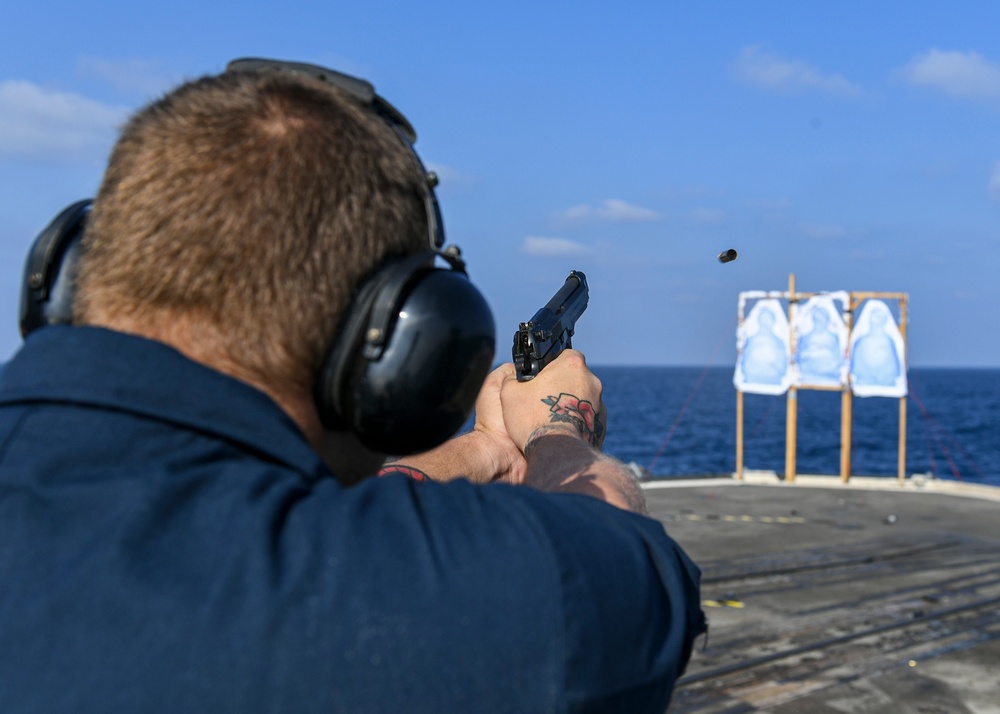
<point x="594" y="577"/>
<point x="563" y="540"/>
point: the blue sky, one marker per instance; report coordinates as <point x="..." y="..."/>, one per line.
<point x="856" y="145"/>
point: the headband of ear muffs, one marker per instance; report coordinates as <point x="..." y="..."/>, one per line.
<point x="408" y="358"/>
<point x="48" y="285"/>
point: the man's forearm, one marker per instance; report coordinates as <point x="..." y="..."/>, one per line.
<point x="466" y="456"/>
<point x="560" y="462"/>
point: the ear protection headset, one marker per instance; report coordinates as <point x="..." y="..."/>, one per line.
<point x="411" y="353"/>
<point x="50" y="271"/>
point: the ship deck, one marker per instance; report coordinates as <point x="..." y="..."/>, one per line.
<point x="825" y="597"/>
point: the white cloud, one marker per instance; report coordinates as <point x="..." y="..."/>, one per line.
<point x="40" y="122"/>
<point x="143" y="76"/>
<point x="768" y="70"/>
<point x="960" y="74"/>
<point x="540" y="246"/>
<point x="578" y="212"/>
<point x="706" y="216"/>
<point x="612" y="209"/>
<point x="994" y="187"/>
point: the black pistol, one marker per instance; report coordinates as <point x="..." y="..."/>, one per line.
<point x="550" y="331"/>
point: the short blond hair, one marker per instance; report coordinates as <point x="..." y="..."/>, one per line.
<point x="254" y="203"/>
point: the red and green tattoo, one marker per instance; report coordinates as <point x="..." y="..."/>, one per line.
<point x="578" y="412"/>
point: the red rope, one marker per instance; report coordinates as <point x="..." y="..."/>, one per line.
<point x="677" y="420"/>
<point x="935" y="429"/>
<point x="687" y="403"/>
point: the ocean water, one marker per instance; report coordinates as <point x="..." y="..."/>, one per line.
<point x="677" y="421"/>
<point x="681" y="421"/>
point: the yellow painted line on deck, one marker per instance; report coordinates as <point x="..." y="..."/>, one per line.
<point x="722" y="603"/>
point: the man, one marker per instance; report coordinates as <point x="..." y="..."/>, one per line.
<point x="184" y="519"/>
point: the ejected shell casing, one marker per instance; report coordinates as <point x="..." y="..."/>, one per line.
<point x="727" y="256"/>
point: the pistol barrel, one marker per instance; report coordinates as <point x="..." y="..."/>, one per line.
<point x="541" y="339"/>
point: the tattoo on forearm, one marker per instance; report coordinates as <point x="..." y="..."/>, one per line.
<point x="415" y="474"/>
<point x="578" y="412"/>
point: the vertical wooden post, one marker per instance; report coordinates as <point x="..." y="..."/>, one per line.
<point x="846" y="415"/>
<point x="902" y="441"/>
<point x="903" y="317"/>
<point x="739" y="434"/>
<point x="790" y="433"/>
<point x="792" y="405"/>
<point x="847" y="405"/>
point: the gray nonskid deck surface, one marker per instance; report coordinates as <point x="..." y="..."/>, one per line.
<point x="840" y="600"/>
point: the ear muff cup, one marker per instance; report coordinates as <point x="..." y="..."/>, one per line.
<point x="48" y="286"/>
<point x="409" y="359"/>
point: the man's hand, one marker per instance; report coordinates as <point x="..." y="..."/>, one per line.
<point x="545" y="433"/>
<point x="565" y="395"/>
<point x="508" y="461"/>
<point x="558" y="420"/>
<point x="484" y="455"/>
